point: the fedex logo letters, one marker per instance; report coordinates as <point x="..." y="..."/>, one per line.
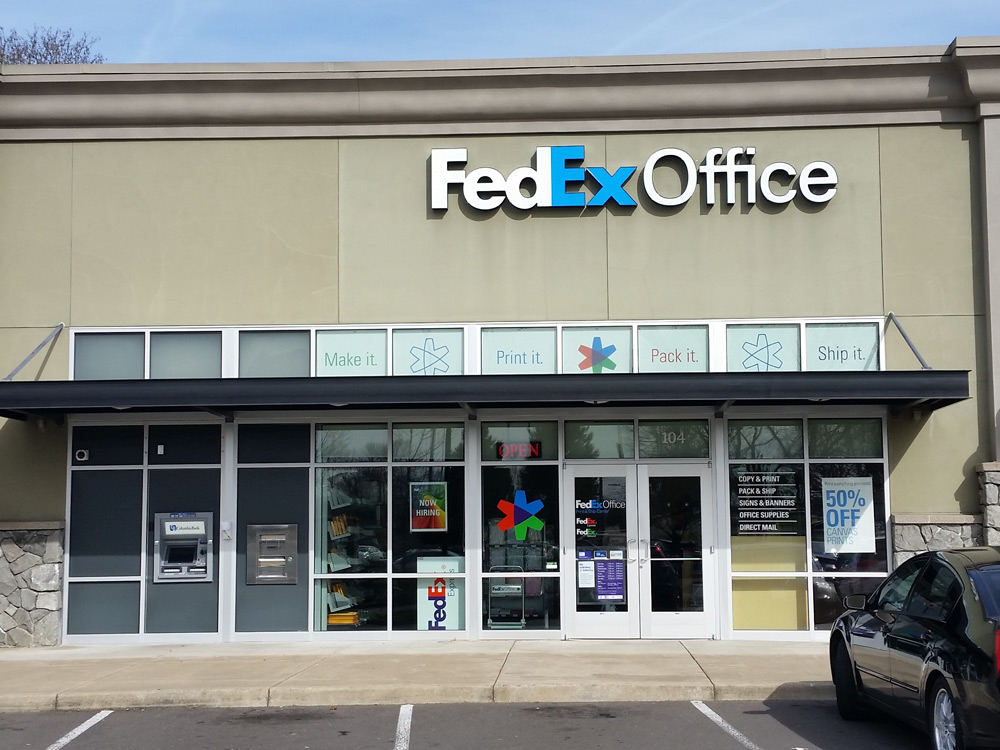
<point x="559" y="172"/>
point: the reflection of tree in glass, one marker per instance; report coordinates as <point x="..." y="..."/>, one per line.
<point x="580" y="442"/>
<point x="427" y="442"/>
<point x="675" y="517"/>
<point x="845" y="438"/>
<point x="669" y="439"/>
<point x="345" y="443"/>
<point x="752" y="440"/>
<point x="363" y="484"/>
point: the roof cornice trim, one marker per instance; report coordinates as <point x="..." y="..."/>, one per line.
<point x="146" y="101"/>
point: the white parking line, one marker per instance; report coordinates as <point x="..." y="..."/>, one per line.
<point x="403" y="727"/>
<point x="70" y="736"/>
<point x="725" y="725"/>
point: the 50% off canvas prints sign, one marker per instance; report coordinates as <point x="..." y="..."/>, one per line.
<point x="848" y="515"/>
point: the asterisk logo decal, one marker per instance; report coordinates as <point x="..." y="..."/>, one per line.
<point x="429" y="359"/>
<point x="763" y="355"/>
<point x="597" y="357"/>
<point x="520" y="515"/>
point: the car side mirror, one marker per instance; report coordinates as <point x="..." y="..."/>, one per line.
<point x="887" y="617"/>
<point x="855" y="601"/>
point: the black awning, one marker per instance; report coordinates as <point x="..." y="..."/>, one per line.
<point x="898" y="390"/>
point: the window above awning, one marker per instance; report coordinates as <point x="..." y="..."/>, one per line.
<point x="898" y="390"/>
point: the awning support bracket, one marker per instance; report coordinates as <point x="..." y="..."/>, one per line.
<point x="52" y="335"/>
<point x="891" y="318"/>
<point x="722" y="407"/>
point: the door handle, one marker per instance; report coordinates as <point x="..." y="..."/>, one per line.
<point x="628" y="550"/>
<point x="644" y="560"/>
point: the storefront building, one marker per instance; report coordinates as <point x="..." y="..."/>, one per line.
<point x="658" y="347"/>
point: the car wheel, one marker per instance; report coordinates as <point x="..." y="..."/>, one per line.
<point x="848" y="699"/>
<point x="942" y="720"/>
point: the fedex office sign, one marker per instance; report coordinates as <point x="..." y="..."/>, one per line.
<point x="560" y="172"/>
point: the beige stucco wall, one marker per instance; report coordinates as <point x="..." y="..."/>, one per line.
<point x="751" y="261"/>
<point x="205" y="232"/>
<point x="932" y="257"/>
<point x="931" y="237"/>
<point x="35" y="215"/>
<point x="32" y="471"/>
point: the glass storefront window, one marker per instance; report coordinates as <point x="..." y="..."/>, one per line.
<point x="842" y="346"/>
<point x="520" y="441"/>
<point x="428" y="351"/>
<point x="603" y="440"/>
<point x="769" y="515"/>
<point x="428" y="515"/>
<point x="521" y="603"/>
<point x="351" y="520"/>
<point x="683" y="438"/>
<point x="348" y="443"/>
<point x="274" y="354"/>
<point x="762" y="348"/>
<point x="351" y="604"/>
<point x="109" y="356"/>
<point x="767" y="512"/>
<point x="428" y="442"/>
<point x="847" y="506"/>
<point x="433" y="603"/>
<point x="756" y="439"/>
<point x="829" y="594"/>
<point x="520" y="518"/>
<point x="845" y="438"/>
<point x="185" y="354"/>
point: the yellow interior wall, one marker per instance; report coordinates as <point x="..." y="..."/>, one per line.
<point x="770" y="604"/>
<point x="774" y="554"/>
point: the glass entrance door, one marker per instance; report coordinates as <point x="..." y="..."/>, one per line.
<point x="676" y="552"/>
<point x="640" y="552"/>
<point x="604" y="597"/>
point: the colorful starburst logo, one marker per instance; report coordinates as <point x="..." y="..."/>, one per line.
<point x="520" y="515"/>
<point x="597" y="357"/>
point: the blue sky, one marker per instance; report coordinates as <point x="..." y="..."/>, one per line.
<point x="184" y="31"/>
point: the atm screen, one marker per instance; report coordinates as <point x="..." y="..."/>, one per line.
<point x="179" y="554"/>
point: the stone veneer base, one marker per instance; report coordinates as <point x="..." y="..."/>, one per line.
<point x="31" y="562"/>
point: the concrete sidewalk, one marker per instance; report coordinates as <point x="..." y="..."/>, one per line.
<point x="310" y="674"/>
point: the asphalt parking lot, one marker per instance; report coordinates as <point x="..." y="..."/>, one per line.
<point x="693" y="725"/>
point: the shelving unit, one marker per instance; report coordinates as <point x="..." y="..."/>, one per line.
<point x="339" y="605"/>
<point x="350" y="527"/>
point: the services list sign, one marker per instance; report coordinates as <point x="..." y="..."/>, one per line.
<point x="767" y="500"/>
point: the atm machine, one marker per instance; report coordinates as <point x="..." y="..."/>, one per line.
<point x="182" y="547"/>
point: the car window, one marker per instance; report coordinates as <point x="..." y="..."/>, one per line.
<point x="894" y="591"/>
<point x="935" y="592"/>
<point x="987" y="582"/>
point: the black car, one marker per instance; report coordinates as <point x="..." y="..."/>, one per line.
<point x="925" y="647"/>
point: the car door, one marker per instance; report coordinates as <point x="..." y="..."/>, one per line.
<point x="920" y="632"/>
<point x="870" y="627"/>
